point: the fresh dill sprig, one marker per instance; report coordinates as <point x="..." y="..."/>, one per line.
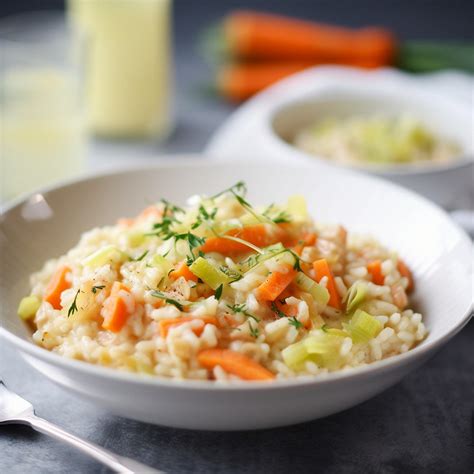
<point x="73" y="308"/>
<point x="254" y="331"/>
<point x="179" y="304"/>
<point x="240" y="188"/>
<point x="218" y="293"/>
<point x="278" y="311"/>
<point x="280" y="218"/>
<point x="294" y="322"/>
<point x="234" y="275"/>
<point x="170" y="208"/>
<point x="141" y="257"/>
<point x="241" y="308"/>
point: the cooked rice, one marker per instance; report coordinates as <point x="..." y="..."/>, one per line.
<point x="139" y="347"/>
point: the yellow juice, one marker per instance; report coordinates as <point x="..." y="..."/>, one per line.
<point x="42" y="137"/>
<point x="127" y="70"/>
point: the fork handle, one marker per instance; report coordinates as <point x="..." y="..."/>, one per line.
<point x="115" y="462"/>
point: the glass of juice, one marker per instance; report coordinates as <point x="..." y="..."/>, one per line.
<point x="128" y="66"/>
<point x="42" y="134"/>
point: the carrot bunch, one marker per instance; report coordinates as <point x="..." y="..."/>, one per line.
<point x="264" y="48"/>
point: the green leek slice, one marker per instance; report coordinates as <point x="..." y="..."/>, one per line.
<point x="363" y="327"/>
<point x="356" y="295"/>
<point x="28" y="307"/>
<point x="297" y="207"/>
<point x="317" y="291"/>
<point x="208" y="273"/>
<point x="108" y="254"/>
<point x="295" y="355"/>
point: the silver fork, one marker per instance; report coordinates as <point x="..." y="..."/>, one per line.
<point x="16" y="410"/>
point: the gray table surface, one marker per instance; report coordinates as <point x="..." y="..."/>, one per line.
<point x="423" y="424"/>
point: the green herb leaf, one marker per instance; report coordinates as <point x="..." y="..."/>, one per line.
<point x="240" y="188"/>
<point x="97" y="287"/>
<point x="141" y="257"/>
<point x="278" y="311"/>
<point x="178" y="304"/>
<point x="218" y="292"/>
<point x="254" y="331"/>
<point x="294" y="322"/>
<point x="241" y="308"/>
<point x="73" y="308"/>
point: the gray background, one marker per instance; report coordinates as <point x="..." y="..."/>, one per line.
<point x="423" y="424"/>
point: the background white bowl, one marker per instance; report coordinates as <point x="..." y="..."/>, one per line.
<point x="266" y="125"/>
<point x="49" y="223"/>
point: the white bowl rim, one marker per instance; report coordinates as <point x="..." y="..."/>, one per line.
<point x="388" y="78"/>
<point x="197" y="161"/>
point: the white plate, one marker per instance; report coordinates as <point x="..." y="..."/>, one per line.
<point x="443" y="101"/>
<point x="49" y="223"/>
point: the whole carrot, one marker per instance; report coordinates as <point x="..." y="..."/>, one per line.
<point x="256" y="35"/>
<point x="237" y="82"/>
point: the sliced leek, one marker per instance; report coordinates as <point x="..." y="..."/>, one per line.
<point x="158" y="261"/>
<point x="356" y="295"/>
<point x="317" y="291"/>
<point x="297" y="207"/>
<point x="28" y="307"/>
<point x="208" y="273"/>
<point x="108" y="254"/>
<point x="363" y="327"/>
<point x="295" y="355"/>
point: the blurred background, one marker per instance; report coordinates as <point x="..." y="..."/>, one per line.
<point x="141" y="78"/>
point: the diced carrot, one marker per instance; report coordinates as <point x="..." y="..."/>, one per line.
<point x="406" y="272"/>
<point x="148" y="211"/>
<point x="114" y="310"/>
<point x="275" y="284"/>
<point x="234" y="363"/>
<point x="56" y="286"/>
<point x="291" y="311"/>
<point x="321" y="270"/>
<point x="166" y="324"/>
<point x="375" y="269"/>
<point x="308" y="240"/>
<point x="257" y="235"/>
<point x="126" y="222"/>
<point x="182" y="270"/>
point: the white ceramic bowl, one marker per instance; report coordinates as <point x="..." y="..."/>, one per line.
<point x="266" y="125"/>
<point x="49" y="223"/>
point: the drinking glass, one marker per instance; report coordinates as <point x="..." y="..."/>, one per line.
<point x="42" y="133"/>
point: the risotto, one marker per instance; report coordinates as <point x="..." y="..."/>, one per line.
<point x="222" y="290"/>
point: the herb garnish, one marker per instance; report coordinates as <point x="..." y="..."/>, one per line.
<point x="324" y="328"/>
<point x="232" y="274"/>
<point x="97" y="287"/>
<point x="240" y="188"/>
<point x="218" y="293"/>
<point x="141" y="257"/>
<point x="178" y="304"/>
<point x="254" y="331"/>
<point x="73" y="308"/>
<point x="294" y="322"/>
<point x="280" y="218"/>
<point x="170" y="208"/>
<point x="241" y="308"/>
<point x="278" y="311"/>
